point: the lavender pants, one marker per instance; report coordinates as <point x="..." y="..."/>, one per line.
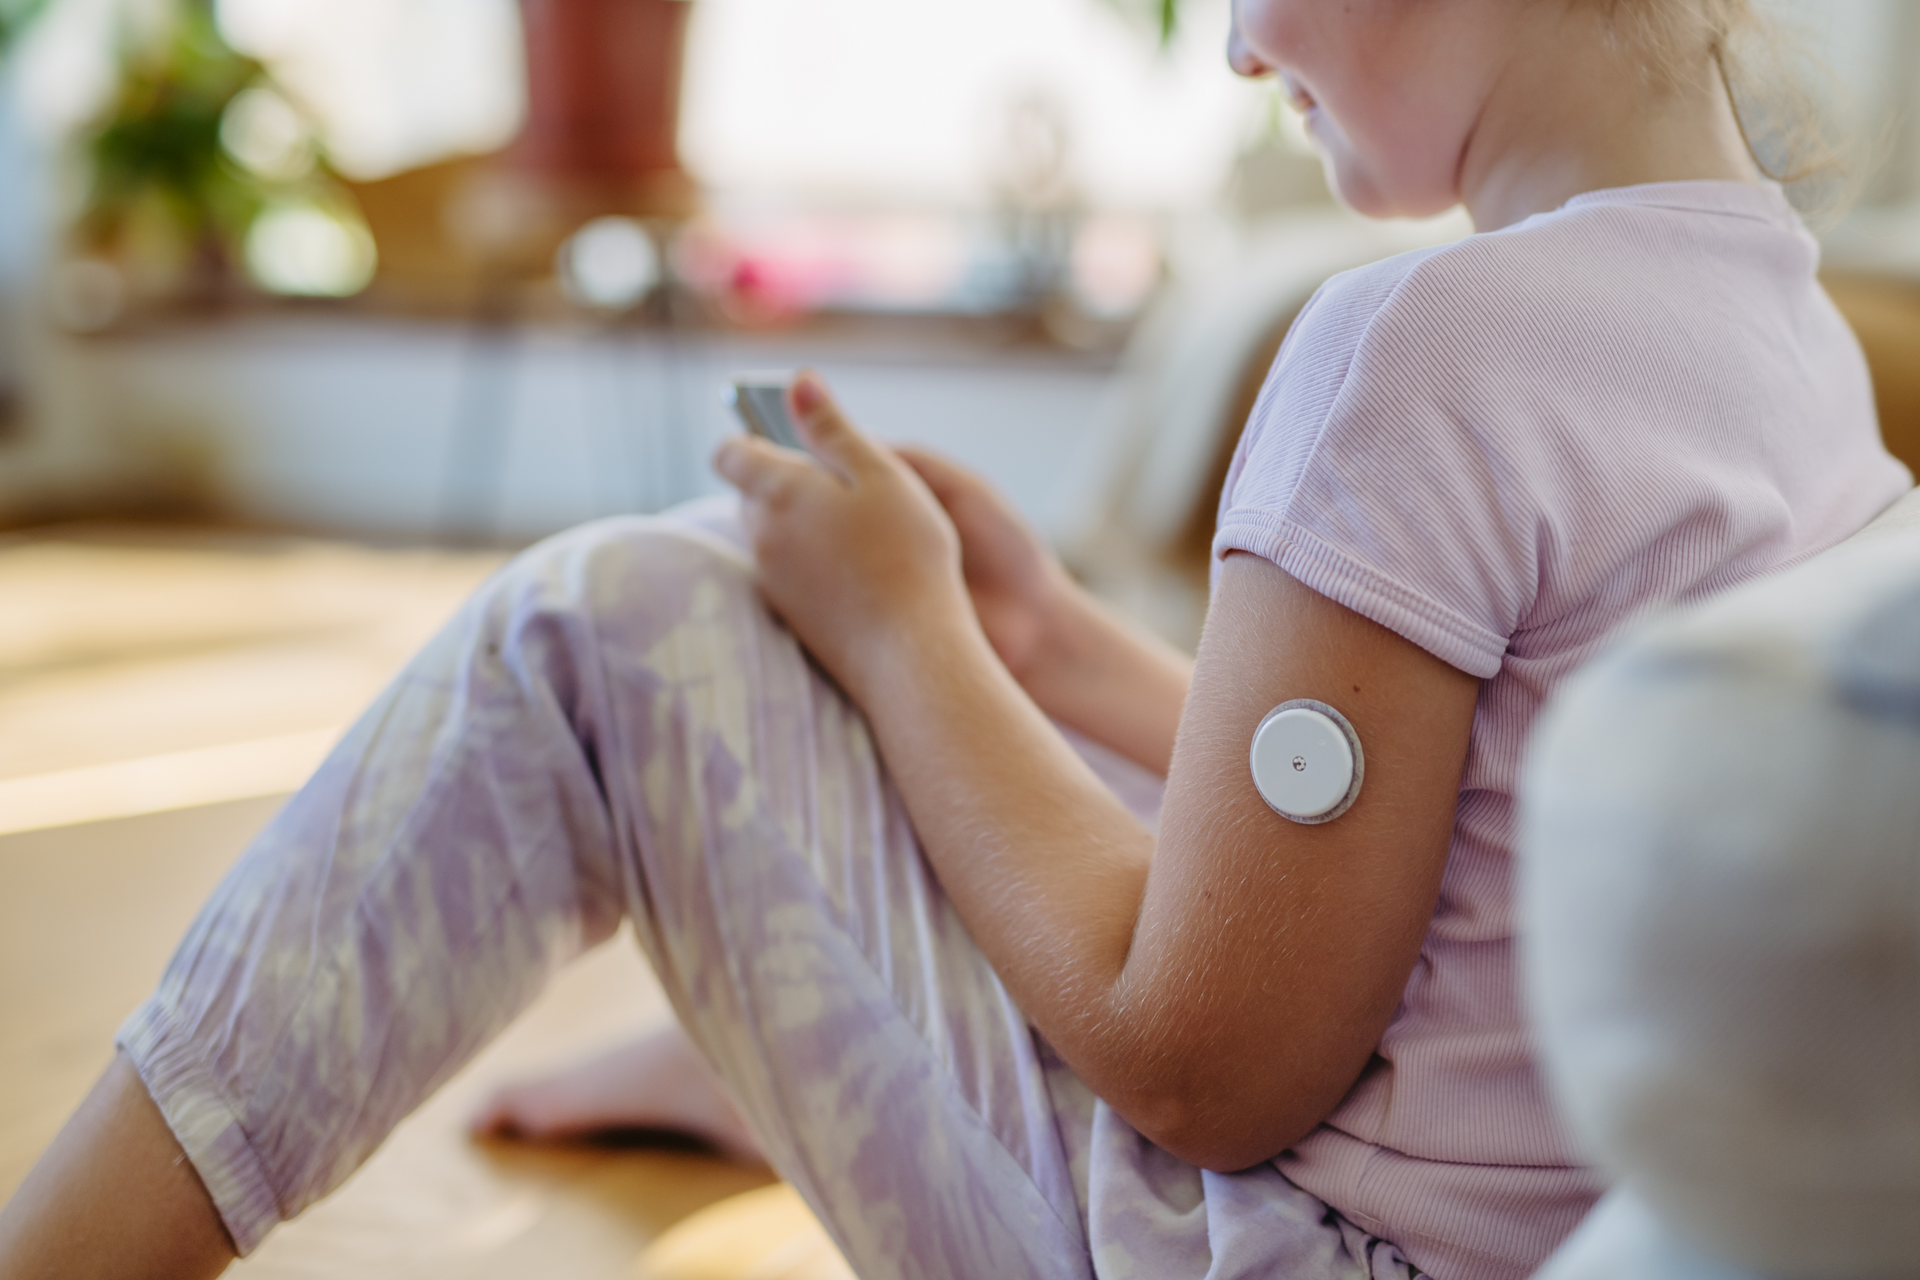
<point x="615" y="726"/>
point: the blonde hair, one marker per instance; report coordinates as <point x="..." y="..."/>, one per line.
<point x="1790" y="108"/>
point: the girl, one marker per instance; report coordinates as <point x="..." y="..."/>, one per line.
<point x="986" y="1014"/>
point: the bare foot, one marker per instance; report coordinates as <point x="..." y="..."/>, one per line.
<point x="659" y="1081"/>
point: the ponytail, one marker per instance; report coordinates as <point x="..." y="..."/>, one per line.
<point x="1790" y="108"/>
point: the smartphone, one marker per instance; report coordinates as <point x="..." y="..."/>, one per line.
<point x="760" y="401"/>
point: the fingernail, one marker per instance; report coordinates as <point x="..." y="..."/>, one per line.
<point x="808" y="396"/>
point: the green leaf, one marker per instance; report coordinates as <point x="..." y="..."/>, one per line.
<point x="15" y="17"/>
<point x="154" y="155"/>
<point x="1162" y="17"/>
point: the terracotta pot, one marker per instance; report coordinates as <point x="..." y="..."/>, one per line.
<point x="603" y="101"/>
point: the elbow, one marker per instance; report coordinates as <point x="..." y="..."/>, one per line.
<point x="1221" y="1130"/>
<point x="1228" y="1151"/>
<point x="1227" y="1099"/>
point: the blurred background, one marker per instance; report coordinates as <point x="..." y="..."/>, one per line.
<point x="471" y="270"/>
<point x="311" y="310"/>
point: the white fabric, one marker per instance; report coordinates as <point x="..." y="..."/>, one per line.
<point x="1721" y="907"/>
<point x="1623" y="1240"/>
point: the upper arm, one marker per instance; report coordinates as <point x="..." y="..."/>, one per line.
<point x="1269" y="956"/>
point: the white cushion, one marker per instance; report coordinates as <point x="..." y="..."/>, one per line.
<point x="1721" y="913"/>
<point x="1904" y="514"/>
<point x="1623" y="1240"/>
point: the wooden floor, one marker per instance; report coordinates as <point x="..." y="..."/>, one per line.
<point x="118" y="647"/>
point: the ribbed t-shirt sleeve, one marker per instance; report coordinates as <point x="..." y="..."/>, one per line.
<point x="1378" y="469"/>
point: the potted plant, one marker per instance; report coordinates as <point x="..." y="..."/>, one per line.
<point x="600" y="137"/>
<point x="1163" y="16"/>
<point x="175" y="194"/>
<point x="603" y="95"/>
<point x="603" y="99"/>
<point x="15" y="17"/>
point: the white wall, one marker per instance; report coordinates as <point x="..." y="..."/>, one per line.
<point x="903" y="101"/>
<point x="1870" y="48"/>
<point x="358" y="425"/>
<point x="31" y="459"/>
<point x="907" y="100"/>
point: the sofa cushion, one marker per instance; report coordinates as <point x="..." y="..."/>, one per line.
<point x="1721" y="913"/>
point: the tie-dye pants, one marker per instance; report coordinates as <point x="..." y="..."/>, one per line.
<point x="615" y="726"/>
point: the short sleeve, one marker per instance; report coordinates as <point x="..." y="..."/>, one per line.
<point x="1377" y="466"/>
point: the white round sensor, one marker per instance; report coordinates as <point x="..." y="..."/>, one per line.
<point x="1307" y="762"/>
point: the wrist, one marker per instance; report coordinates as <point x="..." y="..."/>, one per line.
<point x="938" y="629"/>
<point x="1069" y="636"/>
<point x="1110" y="681"/>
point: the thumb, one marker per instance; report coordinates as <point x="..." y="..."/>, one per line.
<point x="825" y="429"/>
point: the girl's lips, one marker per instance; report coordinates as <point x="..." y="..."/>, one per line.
<point x="1297" y="94"/>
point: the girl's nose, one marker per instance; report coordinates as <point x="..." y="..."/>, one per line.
<point x="1242" y="58"/>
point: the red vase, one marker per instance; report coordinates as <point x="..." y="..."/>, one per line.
<point x="603" y="100"/>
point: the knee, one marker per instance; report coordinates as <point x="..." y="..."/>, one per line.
<point x="631" y="588"/>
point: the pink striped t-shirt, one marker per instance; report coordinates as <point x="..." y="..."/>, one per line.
<point x="1504" y="450"/>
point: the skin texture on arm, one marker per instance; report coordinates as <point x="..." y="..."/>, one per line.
<point x="1302" y="937"/>
<point x="1222" y="989"/>
<point x="114" y="1196"/>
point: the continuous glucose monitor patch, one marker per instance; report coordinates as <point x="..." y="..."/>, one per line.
<point x="1307" y="761"/>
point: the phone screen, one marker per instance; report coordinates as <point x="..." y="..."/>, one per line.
<point x="761" y="403"/>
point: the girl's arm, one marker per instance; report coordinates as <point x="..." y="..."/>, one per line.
<point x="1224" y="988"/>
<point x="1078" y="662"/>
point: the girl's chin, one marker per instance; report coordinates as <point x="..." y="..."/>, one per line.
<point x="1360" y="190"/>
<point x="1354" y="188"/>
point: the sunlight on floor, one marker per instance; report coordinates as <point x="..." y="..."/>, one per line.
<point x="123" y="644"/>
<point x="155" y="784"/>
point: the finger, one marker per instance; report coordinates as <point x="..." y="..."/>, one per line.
<point x="827" y="433"/>
<point x="966" y="495"/>
<point x="756" y="467"/>
<point x="946" y="478"/>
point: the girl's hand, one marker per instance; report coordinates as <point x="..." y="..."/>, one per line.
<point x="1018" y="586"/>
<point x="1084" y="666"/>
<point x="854" y="551"/>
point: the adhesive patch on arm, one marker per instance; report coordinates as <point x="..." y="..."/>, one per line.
<point x="1307" y="762"/>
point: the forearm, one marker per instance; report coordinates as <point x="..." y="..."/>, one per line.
<point x="1116" y="684"/>
<point x="1045" y="865"/>
<point x="1050" y="872"/>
